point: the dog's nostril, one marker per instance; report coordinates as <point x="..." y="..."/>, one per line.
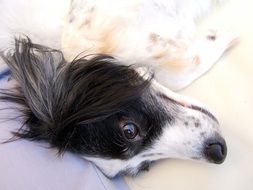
<point x="216" y="150"/>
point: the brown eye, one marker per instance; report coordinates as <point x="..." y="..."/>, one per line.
<point x="130" y="130"/>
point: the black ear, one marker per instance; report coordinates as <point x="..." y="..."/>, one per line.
<point x="34" y="68"/>
<point x="57" y="97"/>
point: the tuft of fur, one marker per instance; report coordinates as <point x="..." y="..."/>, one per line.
<point x="58" y="97"/>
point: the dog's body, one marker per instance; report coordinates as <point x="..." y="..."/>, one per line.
<point x="72" y="105"/>
<point x="143" y="32"/>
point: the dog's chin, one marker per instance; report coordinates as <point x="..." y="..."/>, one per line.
<point x="130" y="171"/>
<point x="135" y="171"/>
<point x="115" y="167"/>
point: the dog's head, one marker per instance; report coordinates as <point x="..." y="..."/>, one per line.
<point x="116" y="116"/>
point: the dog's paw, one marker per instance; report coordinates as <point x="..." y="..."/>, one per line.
<point x="212" y="46"/>
<point x="204" y="53"/>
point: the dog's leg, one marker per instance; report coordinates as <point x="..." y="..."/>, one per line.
<point x="199" y="57"/>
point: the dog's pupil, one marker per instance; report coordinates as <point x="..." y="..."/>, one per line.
<point x="130" y="130"/>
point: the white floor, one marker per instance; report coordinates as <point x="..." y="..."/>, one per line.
<point x="228" y="91"/>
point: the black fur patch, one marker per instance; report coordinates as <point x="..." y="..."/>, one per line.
<point x="77" y="106"/>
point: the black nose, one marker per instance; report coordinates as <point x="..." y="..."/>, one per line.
<point x="215" y="150"/>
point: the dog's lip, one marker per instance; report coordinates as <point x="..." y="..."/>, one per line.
<point x="204" y="111"/>
<point x="190" y="106"/>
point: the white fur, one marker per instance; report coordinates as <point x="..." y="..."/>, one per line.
<point x="155" y="32"/>
<point x="40" y="20"/>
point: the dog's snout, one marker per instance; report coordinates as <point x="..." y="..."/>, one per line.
<point x="215" y="150"/>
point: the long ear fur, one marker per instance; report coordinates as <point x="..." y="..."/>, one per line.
<point x="57" y="97"/>
<point x="34" y="68"/>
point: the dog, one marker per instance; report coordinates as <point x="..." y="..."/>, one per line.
<point x="113" y="106"/>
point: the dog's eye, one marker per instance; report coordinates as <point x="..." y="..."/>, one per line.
<point x="130" y="130"/>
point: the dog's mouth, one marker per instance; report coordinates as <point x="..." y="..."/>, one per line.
<point x="197" y="126"/>
<point x="204" y="111"/>
<point x="190" y="106"/>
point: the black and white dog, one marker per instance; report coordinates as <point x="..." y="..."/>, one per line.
<point x="100" y="106"/>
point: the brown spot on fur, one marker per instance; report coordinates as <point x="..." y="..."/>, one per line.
<point x="71" y="19"/>
<point x="196" y="60"/>
<point x="88" y="20"/>
<point x="107" y="45"/>
<point x="211" y="37"/>
<point x="174" y="64"/>
<point x="87" y="23"/>
<point x="174" y="43"/>
<point x="154" y="38"/>
<point x="159" y="55"/>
